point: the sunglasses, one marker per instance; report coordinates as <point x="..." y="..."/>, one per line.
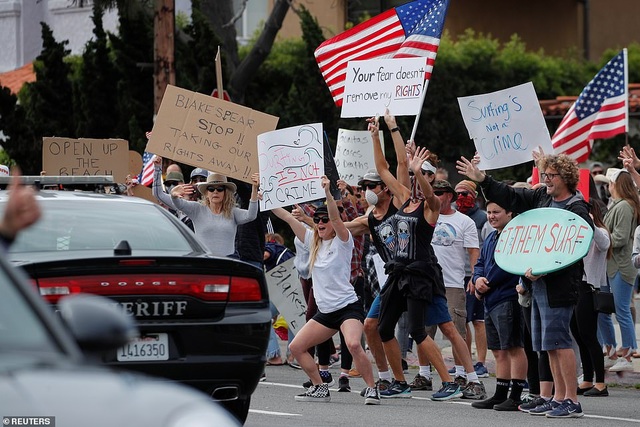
<point x="439" y="193"/>
<point x="369" y="186"/>
<point x="463" y="193"/>
<point x="594" y="173"/>
<point x="196" y="179"/>
<point x="211" y="189"/>
<point x="429" y="173"/>
<point x="319" y="219"/>
<point x="171" y="183"/>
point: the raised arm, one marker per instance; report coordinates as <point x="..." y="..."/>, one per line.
<point x="432" y="203"/>
<point x="296" y="226"/>
<point x="382" y="167"/>
<point x="334" y="214"/>
<point x="402" y="170"/>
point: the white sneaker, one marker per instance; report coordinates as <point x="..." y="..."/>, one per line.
<point x="622" y="365"/>
<point x="609" y="362"/>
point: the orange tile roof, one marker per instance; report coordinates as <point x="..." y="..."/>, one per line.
<point x="560" y="105"/>
<point x="15" y="79"/>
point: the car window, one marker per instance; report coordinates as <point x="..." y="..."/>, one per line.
<point x="81" y="225"/>
<point x="20" y="328"/>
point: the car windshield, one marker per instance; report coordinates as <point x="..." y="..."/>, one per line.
<point x="84" y="225"/>
<point x="21" y="330"/>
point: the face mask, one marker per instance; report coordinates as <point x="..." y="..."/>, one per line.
<point x="371" y="197"/>
<point x="170" y="187"/>
<point x="465" y="203"/>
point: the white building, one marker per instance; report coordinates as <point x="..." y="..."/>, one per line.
<point x="20" y="30"/>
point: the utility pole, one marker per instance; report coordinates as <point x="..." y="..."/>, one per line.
<point x="163" y="49"/>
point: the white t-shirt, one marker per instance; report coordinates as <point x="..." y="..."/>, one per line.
<point x="331" y="273"/>
<point x="452" y="236"/>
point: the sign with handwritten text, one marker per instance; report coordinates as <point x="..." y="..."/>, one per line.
<point x="377" y="84"/>
<point x="210" y="133"/>
<point x="506" y="126"/>
<point x="85" y="156"/>
<point x="286" y="294"/>
<point x="354" y="154"/>
<point x="543" y="239"/>
<point x="291" y="165"/>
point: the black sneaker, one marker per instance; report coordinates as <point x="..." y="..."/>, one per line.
<point x="405" y="366"/>
<point x="343" y="384"/>
<point x="526" y="407"/>
<point x="326" y="378"/>
<point x="421" y="383"/>
<point x="508" y="405"/>
<point x="315" y="393"/>
<point x="489" y="403"/>
<point x="371" y="396"/>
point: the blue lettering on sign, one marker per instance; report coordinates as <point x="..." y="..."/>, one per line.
<point x="502" y="144"/>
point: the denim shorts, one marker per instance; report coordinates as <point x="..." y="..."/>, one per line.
<point x="550" y="327"/>
<point x="335" y="319"/>
<point x="504" y="326"/>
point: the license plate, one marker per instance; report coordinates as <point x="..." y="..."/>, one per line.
<point x="148" y="347"/>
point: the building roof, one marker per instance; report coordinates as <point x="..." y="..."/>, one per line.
<point x="558" y="107"/>
<point x="15" y="79"/>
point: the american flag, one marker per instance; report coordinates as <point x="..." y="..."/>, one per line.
<point x="410" y="30"/>
<point x="146" y="175"/>
<point x="601" y="111"/>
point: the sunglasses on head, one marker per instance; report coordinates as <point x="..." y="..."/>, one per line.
<point x="369" y="185"/>
<point x="211" y="189"/>
<point x="319" y="219"/>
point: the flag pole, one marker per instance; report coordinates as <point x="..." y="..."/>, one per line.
<point x="422" y="96"/>
<point x="626" y="96"/>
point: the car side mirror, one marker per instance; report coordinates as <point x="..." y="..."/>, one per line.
<point x="96" y="322"/>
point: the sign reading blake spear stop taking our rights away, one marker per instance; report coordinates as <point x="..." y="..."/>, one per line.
<point x="543" y="239"/>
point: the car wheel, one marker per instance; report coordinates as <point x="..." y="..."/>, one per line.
<point x="239" y="408"/>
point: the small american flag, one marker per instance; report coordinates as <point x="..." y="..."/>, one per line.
<point x="146" y="175"/>
<point x="601" y="111"/>
<point x="410" y="30"/>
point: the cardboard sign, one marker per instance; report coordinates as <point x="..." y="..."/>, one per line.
<point x="291" y="165"/>
<point x="375" y="85"/>
<point x="209" y="133"/>
<point x="506" y="126"/>
<point x="84" y="156"/>
<point x="354" y="154"/>
<point x="285" y="292"/>
<point x="543" y="239"/>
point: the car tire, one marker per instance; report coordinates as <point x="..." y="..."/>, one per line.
<point x="239" y="408"/>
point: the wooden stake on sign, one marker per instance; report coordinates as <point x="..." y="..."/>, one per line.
<point x="219" y="75"/>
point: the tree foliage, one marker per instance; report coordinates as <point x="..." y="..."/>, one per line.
<point x="108" y="91"/>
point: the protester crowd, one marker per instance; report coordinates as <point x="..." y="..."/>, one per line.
<point x="437" y="243"/>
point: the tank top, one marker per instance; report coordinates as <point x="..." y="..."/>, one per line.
<point x="383" y="234"/>
<point x="413" y="235"/>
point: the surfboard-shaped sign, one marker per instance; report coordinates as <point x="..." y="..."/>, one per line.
<point x="543" y="239"/>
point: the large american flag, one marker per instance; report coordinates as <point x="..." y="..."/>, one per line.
<point x="601" y="111"/>
<point x="410" y="30"/>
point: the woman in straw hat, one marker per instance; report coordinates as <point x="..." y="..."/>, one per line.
<point x="217" y="217"/>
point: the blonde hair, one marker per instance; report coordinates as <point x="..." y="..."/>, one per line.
<point x="228" y="203"/>
<point x="314" y="247"/>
